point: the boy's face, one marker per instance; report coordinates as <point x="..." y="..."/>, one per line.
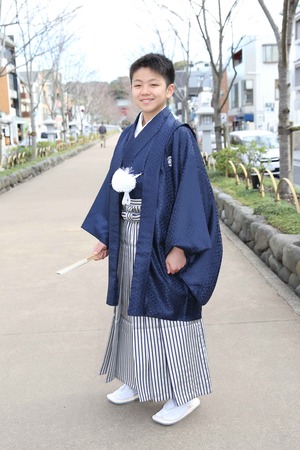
<point x="150" y="92"/>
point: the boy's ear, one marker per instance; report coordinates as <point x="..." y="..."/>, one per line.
<point x="170" y="90"/>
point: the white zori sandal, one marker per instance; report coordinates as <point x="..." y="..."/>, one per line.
<point x="171" y="413"/>
<point x="123" y="395"/>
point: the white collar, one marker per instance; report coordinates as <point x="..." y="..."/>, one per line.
<point x="139" y="126"/>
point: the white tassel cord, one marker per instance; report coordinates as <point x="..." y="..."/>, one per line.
<point x="124" y="180"/>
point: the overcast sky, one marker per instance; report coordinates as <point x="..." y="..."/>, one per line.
<point x="113" y="33"/>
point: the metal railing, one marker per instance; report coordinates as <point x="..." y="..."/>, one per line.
<point x="261" y="188"/>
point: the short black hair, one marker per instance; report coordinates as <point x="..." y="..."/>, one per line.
<point x="156" y="62"/>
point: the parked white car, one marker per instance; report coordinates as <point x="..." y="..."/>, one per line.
<point x="266" y="139"/>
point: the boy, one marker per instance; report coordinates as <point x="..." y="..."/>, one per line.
<point x="156" y="217"/>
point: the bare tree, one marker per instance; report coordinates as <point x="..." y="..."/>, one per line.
<point x="8" y="63"/>
<point x="212" y="28"/>
<point x="38" y="37"/>
<point x="284" y="40"/>
<point x="183" y="93"/>
<point x="209" y="26"/>
<point x="179" y="26"/>
<point x="99" y="102"/>
<point x="97" y="99"/>
<point x="56" y="59"/>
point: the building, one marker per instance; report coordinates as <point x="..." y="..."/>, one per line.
<point x="295" y="72"/>
<point x="254" y="96"/>
<point x="11" y="122"/>
<point x="43" y="90"/>
<point x="195" y="79"/>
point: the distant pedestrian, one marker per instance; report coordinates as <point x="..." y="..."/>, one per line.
<point x="155" y="215"/>
<point x="102" y="131"/>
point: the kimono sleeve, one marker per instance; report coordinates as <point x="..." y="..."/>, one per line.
<point x="189" y="224"/>
<point x="97" y="219"/>
<point x="194" y="224"/>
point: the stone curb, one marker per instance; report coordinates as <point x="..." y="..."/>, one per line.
<point x="280" y="252"/>
<point x="24" y="174"/>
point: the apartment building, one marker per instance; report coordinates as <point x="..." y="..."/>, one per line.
<point x="11" y="122"/>
<point x="198" y="77"/>
<point x="254" y="96"/>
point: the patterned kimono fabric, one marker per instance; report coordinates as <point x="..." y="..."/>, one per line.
<point x="161" y="359"/>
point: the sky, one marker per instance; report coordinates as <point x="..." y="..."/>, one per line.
<point x="111" y="34"/>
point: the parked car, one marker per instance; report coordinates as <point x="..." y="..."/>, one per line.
<point x="266" y="139"/>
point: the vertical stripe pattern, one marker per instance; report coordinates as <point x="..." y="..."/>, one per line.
<point x="161" y="359"/>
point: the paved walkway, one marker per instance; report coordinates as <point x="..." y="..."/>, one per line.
<point x="53" y="331"/>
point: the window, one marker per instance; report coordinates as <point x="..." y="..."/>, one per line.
<point x="237" y="58"/>
<point x="9" y="54"/>
<point x="270" y="53"/>
<point x="235" y="96"/>
<point x="297" y="76"/>
<point x="297" y="29"/>
<point x="11" y="81"/>
<point x="248" y="92"/>
<point x="207" y="119"/>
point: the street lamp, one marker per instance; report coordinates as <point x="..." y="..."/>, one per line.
<point x="206" y="122"/>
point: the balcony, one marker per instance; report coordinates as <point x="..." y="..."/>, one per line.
<point x="13" y="94"/>
<point x="25" y="114"/>
<point x="24" y="95"/>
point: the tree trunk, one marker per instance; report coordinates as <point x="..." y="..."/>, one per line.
<point x="217" y="112"/>
<point x="284" y="41"/>
<point x="33" y="124"/>
<point x="283" y="122"/>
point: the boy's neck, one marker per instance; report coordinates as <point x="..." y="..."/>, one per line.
<point x="144" y="121"/>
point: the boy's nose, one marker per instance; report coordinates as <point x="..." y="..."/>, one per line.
<point x="145" y="89"/>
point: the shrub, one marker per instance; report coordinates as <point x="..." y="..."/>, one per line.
<point x="281" y="215"/>
<point x="28" y="152"/>
<point x="45" y="144"/>
<point x="223" y="156"/>
<point x="251" y="155"/>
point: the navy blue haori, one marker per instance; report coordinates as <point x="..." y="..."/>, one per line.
<point x="178" y="210"/>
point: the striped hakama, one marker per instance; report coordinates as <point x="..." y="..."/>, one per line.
<point x="161" y="359"/>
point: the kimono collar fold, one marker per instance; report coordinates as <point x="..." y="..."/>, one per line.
<point x="134" y="152"/>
